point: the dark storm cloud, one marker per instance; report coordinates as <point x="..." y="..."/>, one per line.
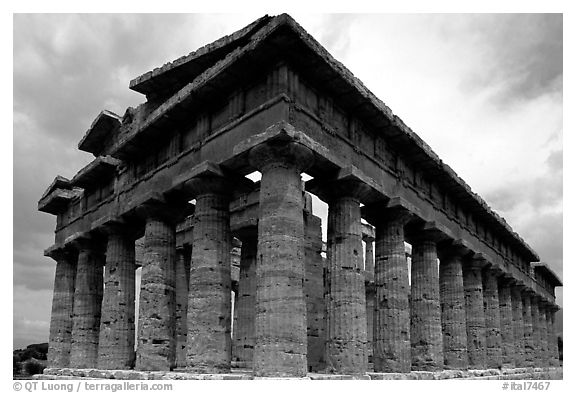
<point x="521" y="54"/>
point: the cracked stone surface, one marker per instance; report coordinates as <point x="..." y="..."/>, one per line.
<point x="392" y="311"/>
<point x="116" y="346"/>
<point x="281" y="326"/>
<point x="536" y="332"/>
<point x="492" y="317"/>
<point x="452" y="303"/>
<point x="87" y="307"/>
<point x="209" y="346"/>
<point x="425" y="316"/>
<point x="552" y="341"/>
<point x="62" y="312"/>
<point x="156" y="319"/>
<point x="506" y="324"/>
<point x="346" y="302"/>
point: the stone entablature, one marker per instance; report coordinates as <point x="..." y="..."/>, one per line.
<point x="212" y="118"/>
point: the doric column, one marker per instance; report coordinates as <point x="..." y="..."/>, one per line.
<point x="314" y="292"/>
<point x="492" y="317"/>
<point x="528" y="331"/>
<point x="246" y="306"/>
<point x="392" y="310"/>
<point x="156" y="318"/>
<point x="536" y="331"/>
<point x="552" y="337"/>
<point x="62" y="309"/>
<point x="452" y="303"/>
<point x="209" y="299"/>
<point x="506" y="323"/>
<point x="87" y="305"/>
<point x="545" y="354"/>
<point x="518" y="325"/>
<point x="116" y="345"/>
<point x="425" y="315"/>
<point x="280" y="348"/>
<point x="475" y="320"/>
<point x="182" y="283"/>
<point x="346" y="301"/>
<point x="369" y="254"/>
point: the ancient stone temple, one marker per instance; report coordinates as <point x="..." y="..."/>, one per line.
<point x="235" y="276"/>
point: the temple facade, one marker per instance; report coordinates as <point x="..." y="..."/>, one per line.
<point x="234" y="273"/>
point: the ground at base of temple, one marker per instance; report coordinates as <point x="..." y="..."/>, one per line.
<point x="552" y="373"/>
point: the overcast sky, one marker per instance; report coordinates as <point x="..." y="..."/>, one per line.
<point x="484" y="91"/>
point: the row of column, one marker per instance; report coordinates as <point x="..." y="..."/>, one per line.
<point x="455" y="317"/>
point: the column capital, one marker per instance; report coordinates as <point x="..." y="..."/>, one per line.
<point x="59" y="253"/>
<point x="459" y="248"/>
<point x="476" y="261"/>
<point x="156" y="206"/>
<point x="345" y="182"/>
<point x="427" y="231"/>
<point x="281" y="152"/>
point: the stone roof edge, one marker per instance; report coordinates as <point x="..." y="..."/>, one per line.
<point x="349" y="76"/>
<point x="57" y="180"/>
<point x="282" y="19"/>
<point x="204" y="50"/>
<point x="94" y="122"/>
<point x="547" y="267"/>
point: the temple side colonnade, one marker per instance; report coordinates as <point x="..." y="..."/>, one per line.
<point x="172" y="173"/>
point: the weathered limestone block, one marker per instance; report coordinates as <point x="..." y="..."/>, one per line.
<point x="209" y="299"/>
<point x="156" y="319"/>
<point x="452" y="303"/>
<point x="552" y="339"/>
<point x="528" y="332"/>
<point x="475" y="320"/>
<point x="425" y="321"/>
<point x="281" y="326"/>
<point x="492" y="317"/>
<point x="392" y="310"/>
<point x="116" y="345"/>
<point x="243" y="349"/>
<point x="346" y="302"/>
<point x="314" y="292"/>
<point x="62" y="310"/>
<point x="87" y="306"/>
<point x="518" y="325"/>
<point x="506" y="324"/>
<point x="182" y="284"/>
<point x="536" y="332"/>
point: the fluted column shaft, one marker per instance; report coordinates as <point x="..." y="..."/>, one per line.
<point x="209" y="300"/>
<point x="518" y="326"/>
<point x="246" y="306"/>
<point x="182" y="284"/>
<point x="425" y="315"/>
<point x="61" y="318"/>
<point x="506" y="324"/>
<point x="452" y="304"/>
<point x="528" y="331"/>
<point x="392" y="310"/>
<point x="346" y="305"/>
<point x="116" y="345"/>
<point x="369" y="256"/>
<point x="87" y="307"/>
<point x="156" y="319"/>
<point x="552" y="339"/>
<point x="536" y="331"/>
<point x="475" y="320"/>
<point x="314" y="293"/>
<point x="281" y="326"/>
<point x="544" y="335"/>
<point x="492" y="317"/>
